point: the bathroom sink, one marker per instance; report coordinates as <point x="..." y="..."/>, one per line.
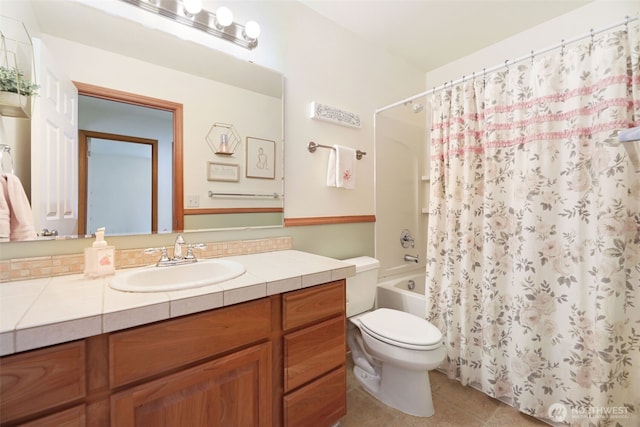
<point x="177" y="277"/>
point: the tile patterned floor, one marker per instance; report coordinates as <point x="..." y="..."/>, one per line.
<point x="455" y="405"/>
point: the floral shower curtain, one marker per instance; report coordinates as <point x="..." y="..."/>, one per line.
<point x="533" y="259"/>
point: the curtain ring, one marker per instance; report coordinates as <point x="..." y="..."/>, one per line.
<point x="562" y="48"/>
<point x="506" y="64"/>
<point x="532" y="56"/>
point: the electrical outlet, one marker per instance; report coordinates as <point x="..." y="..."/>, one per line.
<point x="193" y="201"/>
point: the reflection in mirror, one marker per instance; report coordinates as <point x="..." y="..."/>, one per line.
<point x="209" y="85"/>
<point x="133" y="171"/>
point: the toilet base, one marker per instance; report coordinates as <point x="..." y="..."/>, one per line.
<point x="370" y="382"/>
<point x="402" y="389"/>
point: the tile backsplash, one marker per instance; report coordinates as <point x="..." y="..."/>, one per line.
<point x="60" y="265"/>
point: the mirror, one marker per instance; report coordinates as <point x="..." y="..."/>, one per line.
<point x="219" y="190"/>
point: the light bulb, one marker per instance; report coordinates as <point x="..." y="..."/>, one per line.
<point x="192" y="7"/>
<point x="251" y="30"/>
<point x="224" y="17"/>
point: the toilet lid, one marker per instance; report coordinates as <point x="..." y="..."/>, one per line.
<point x="401" y="329"/>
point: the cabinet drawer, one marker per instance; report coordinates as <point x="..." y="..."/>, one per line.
<point x="320" y="403"/>
<point x="41" y="379"/>
<point x="148" y="350"/>
<point x="313" y="351"/>
<point x="310" y="305"/>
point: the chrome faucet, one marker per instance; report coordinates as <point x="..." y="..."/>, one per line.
<point x="412" y="258"/>
<point x="406" y="239"/>
<point x="177" y="248"/>
<point x="178" y="257"/>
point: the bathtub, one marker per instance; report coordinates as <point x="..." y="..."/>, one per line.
<point x="395" y="293"/>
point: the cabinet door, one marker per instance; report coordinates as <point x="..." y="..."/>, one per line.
<point x="74" y="417"/>
<point x="234" y="390"/>
<point x="41" y="379"/>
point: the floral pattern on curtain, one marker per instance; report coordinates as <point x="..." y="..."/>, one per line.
<point x="533" y="259"/>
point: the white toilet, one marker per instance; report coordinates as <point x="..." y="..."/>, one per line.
<point x="392" y="351"/>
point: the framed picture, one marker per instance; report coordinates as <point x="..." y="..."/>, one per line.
<point x="222" y="172"/>
<point x="261" y="158"/>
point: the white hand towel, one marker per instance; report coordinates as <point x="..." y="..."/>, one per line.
<point x="21" y="217"/>
<point x="341" y="169"/>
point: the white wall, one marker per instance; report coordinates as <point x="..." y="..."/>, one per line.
<point x="596" y="15"/>
<point x="327" y="64"/>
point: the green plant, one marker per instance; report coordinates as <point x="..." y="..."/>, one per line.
<point x="11" y="81"/>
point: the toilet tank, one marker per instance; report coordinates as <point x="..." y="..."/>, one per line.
<point x="361" y="288"/>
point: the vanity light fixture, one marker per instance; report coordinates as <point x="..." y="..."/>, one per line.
<point x="251" y="31"/>
<point x="223" y="18"/>
<point x="192" y="7"/>
<point x="191" y="14"/>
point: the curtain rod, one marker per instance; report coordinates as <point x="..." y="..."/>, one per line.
<point x="508" y="63"/>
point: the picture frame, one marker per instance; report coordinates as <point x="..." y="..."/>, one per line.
<point x="223" y="172"/>
<point x="260" y="158"/>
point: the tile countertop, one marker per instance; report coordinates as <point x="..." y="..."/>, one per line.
<point x="41" y="312"/>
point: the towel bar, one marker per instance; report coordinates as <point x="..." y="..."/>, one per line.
<point x="272" y="195"/>
<point x="312" y="149"/>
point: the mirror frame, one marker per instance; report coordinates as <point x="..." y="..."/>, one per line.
<point x="160" y="104"/>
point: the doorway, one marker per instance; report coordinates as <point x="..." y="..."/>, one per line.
<point x="117" y="167"/>
<point x="170" y="199"/>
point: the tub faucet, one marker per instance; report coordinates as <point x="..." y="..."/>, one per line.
<point x="412" y="258"/>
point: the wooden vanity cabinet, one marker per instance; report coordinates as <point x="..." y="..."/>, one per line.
<point x="275" y="361"/>
<point x="314" y="351"/>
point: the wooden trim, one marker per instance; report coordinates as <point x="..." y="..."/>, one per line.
<point x="324" y="220"/>
<point x="210" y="211"/>
<point x="160" y="104"/>
<point x="122" y="96"/>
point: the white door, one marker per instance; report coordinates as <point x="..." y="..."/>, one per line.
<point x="54" y="147"/>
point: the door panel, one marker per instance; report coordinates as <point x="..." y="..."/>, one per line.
<point x="54" y="147"/>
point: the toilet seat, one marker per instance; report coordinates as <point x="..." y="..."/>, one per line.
<point x="401" y="329"/>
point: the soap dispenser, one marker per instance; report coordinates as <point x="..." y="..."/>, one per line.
<point x="99" y="259"/>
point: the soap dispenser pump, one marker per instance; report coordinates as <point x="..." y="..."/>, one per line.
<point x="99" y="259"/>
